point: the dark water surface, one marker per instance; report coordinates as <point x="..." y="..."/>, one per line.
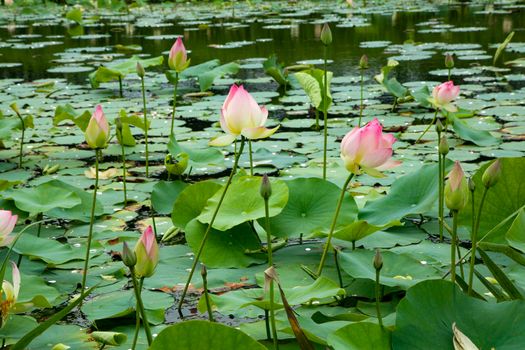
<point x="296" y="41"/>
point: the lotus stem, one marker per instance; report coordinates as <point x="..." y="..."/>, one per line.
<point x="124" y="170"/>
<point x="251" y="157"/>
<point x="474" y="237"/>
<point x="338" y="268"/>
<point x="428" y="127"/>
<point x="146" y="124"/>
<point x="120" y="86"/>
<point x="325" y="112"/>
<point x="140" y="305"/>
<point x="204" y="274"/>
<point x="21" y="139"/>
<point x="361" y="105"/>
<point x="270" y="264"/>
<point x="91" y="222"/>
<point x="332" y="226"/>
<point x="137" y="320"/>
<point x="174" y="102"/>
<point x="316" y="119"/>
<point x="453" y="246"/>
<point x="441" y="211"/>
<point x="208" y="229"/>
<point x="378" y="297"/>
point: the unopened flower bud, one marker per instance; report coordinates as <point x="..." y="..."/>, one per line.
<point x="439" y="126"/>
<point x="443" y="146"/>
<point x="378" y="260"/>
<point x="449" y="61"/>
<point x="266" y="187"/>
<point x="456" y="189"/>
<point x="147" y="253"/>
<point x="326" y="35"/>
<point x="363" y="62"/>
<point x="140" y="70"/>
<point x="471" y="184"/>
<point x="128" y="256"/>
<point x="492" y="174"/>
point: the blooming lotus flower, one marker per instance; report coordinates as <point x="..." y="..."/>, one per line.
<point x="11" y="293"/>
<point x="443" y="95"/>
<point x="147" y="252"/>
<point x="7" y="223"/>
<point x="241" y="115"/>
<point x="178" y="57"/>
<point x="368" y="149"/>
<point x="456" y="189"/>
<point x="97" y="131"/>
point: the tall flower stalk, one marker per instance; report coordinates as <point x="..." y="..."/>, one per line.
<point x="120" y="138"/>
<point x="366" y="150"/>
<point x="141" y="73"/>
<point x="97" y="136"/>
<point x="326" y="39"/>
<point x="363" y="64"/>
<point x="378" y="265"/>
<point x="443" y="150"/>
<point x="240" y="116"/>
<point x="14" y="107"/>
<point x="177" y="61"/>
<point x="266" y="192"/>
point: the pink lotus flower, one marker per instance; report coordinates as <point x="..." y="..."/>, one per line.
<point x="443" y="95"/>
<point x="147" y="252"/>
<point x="178" y="57"/>
<point x="241" y="115"/>
<point x="11" y="291"/>
<point x="7" y="224"/>
<point x="456" y="189"/>
<point x="97" y="131"/>
<point x="368" y="149"/>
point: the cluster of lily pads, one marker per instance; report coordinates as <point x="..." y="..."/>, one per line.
<point x="398" y="224"/>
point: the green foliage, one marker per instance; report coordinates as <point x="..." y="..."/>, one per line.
<point x="119" y="70"/>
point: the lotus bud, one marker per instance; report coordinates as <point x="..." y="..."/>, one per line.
<point x="147" y="253"/>
<point x="128" y="256"/>
<point x="326" y="35"/>
<point x="471" y="184"/>
<point x="449" y="61"/>
<point x="456" y="189"/>
<point x="492" y="174"/>
<point x="266" y="187"/>
<point x="140" y="70"/>
<point x="363" y="62"/>
<point x="443" y="146"/>
<point x="178" y="56"/>
<point x="178" y="164"/>
<point x="378" y="260"/>
<point x="97" y="131"/>
<point x="439" y="126"/>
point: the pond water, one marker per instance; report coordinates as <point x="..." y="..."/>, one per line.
<point x="37" y="46"/>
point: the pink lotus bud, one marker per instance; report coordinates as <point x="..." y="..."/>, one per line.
<point x="97" y="131"/>
<point x="456" y="189"/>
<point x="241" y="115"/>
<point x="449" y="61"/>
<point x="10" y="290"/>
<point x="7" y="224"/>
<point x="266" y="187"/>
<point x="178" y="57"/>
<point x="368" y="149"/>
<point x="444" y="94"/>
<point x="147" y="253"/>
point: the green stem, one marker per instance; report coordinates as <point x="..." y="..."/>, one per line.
<point x="453" y="246"/>
<point x="21" y="140"/>
<point x="39" y="218"/>
<point x="270" y="264"/>
<point x="338" y="268"/>
<point x="474" y="237"/>
<point x="449" y="70"/>
<point x="361" y="106"/>
<point x="208" y="229"/>
<point x="137" y="320"/>
<point x="332" y="226"/>
<point x="207" y="296"/>
<point x="140" y="305"/>
<point x="146" y="125"/>
<point x="124" y="170"/>
<point x="428" y="127"/>
<point x="325" y="113"/>
<point x="441" y="190"/>
<point x="378" y="298"/>
<point x="91" y="222"/>
<point x="120" y="86"/>
<point x="317" y="119"/>
<point x="174" y="103"/>
<point x="251" y="159"/>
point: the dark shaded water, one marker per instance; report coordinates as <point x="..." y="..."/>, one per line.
<point x="292" y="44"/>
